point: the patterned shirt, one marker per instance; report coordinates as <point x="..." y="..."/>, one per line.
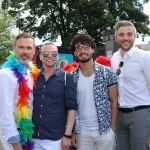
<point x="104" y="78"/>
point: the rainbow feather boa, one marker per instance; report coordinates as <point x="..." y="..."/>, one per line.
<point x="24" y="112"/>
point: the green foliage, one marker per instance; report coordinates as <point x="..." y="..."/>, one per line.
<point x="49" y="18"/>
<point x="6" y="36"/>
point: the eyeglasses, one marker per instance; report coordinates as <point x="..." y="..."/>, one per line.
<point x="80" y="47"/>
<point x="46" y="55"/>
<point x="119" y="69"/>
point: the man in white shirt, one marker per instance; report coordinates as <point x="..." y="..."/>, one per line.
<point x="16" y="86"/>
<point x="132" y="67"/>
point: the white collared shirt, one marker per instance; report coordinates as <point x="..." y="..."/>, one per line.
<point x="8" y="100"/>
<point x="134" y="80"/>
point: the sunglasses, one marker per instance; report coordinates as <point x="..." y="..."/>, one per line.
<point x="119" y="69"/>
<point x="46" y="55"/>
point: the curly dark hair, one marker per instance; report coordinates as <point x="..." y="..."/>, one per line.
<point x="83" y="39"/>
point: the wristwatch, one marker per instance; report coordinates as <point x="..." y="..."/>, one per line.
<point x="67" y="136"/>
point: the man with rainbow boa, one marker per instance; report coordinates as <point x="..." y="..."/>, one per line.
<point x="16" y="85"/>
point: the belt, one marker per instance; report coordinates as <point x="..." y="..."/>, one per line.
<point x="128" y="110"/>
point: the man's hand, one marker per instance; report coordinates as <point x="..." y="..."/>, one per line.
<point x="65" y="143"/>
<point x="75" y="140"/>
<point x="17" y="146"/>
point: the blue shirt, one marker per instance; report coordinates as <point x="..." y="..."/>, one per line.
<point x="104" y="78"/>
<point x="52" y="100"/>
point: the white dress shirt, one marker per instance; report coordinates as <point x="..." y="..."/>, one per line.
<point x="134" y="80"/>
<point x="8" y="100"/>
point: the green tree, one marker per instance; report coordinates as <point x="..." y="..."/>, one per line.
<point x="49" y="18"/>
<point x="6" y="36"/>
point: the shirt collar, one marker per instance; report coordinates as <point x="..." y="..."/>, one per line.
<point x="129" y="53"/>
<point x="96" y="65"/>
<point x="28" y="67"/>
<point x="56" y="72"/>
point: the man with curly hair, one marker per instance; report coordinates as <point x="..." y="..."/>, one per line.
<point x="97" y="98"/>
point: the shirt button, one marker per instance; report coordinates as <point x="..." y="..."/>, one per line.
<point x="41" y="105"/>
<point x="43" y="96"/>
<point x="40" y="116"/>
<point x="44" y="86"/>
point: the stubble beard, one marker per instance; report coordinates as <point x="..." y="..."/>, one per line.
<point x="126" y="49"/>
<point x="84" y="61"/>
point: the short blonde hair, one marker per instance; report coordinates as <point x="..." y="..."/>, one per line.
<point x="49" y="43"/>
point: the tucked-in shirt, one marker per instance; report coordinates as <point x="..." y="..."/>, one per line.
<point x="52" y="100"/>
<point x="134" y="80"/>
<point x="104" y="78"/>
<point x="8" y="101"/>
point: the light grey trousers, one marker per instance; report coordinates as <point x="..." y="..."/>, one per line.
<point x="92" y="140"/>
<point x="1" y="148"/>
<point x="6" y="146"/>
<point x="133" y="130"/>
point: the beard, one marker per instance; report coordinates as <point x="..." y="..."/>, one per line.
<point x="127" y="48"/>
<point x="83" y="60"/>
<point x="24" y="59"/>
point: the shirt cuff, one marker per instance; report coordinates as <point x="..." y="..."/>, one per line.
<point x="14" y="139"/>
